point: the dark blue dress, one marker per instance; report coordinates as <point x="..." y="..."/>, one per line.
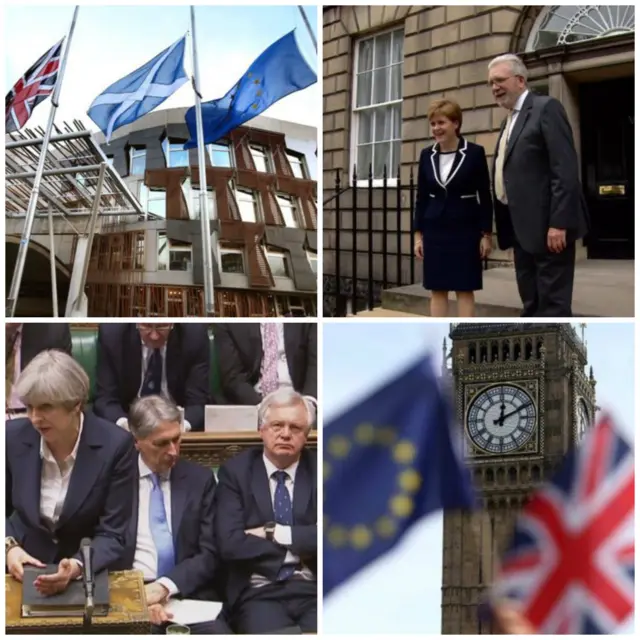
<point x="452" y="216"/>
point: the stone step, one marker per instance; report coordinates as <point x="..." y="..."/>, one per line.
<point x="602" y="288"/>
<point x="379" y="312"/>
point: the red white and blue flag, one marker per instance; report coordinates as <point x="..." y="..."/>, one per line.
<point x="36" y="85"/>
<point x="570" y="567"/>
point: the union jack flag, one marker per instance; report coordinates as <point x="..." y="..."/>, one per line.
<point x="36" y="85"/>
<point x="570" y="567"/>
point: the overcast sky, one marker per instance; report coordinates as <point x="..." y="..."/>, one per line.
<point x="112" y="41"/>
<point x="401" y="593"/>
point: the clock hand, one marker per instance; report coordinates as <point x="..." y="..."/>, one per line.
<point x="502" y="418"/>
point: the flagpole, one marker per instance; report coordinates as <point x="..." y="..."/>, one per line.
<point x="306" y="22"/>
<point x="14" y="291"/>
<point x="207" y="234"/>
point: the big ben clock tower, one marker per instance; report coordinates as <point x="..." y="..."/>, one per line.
<point x="523" y="399"/>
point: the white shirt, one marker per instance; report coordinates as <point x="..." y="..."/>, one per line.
<point x="446" y="164"/>
<point x="54" y="480"/>
<point x="284" y="376"/>
<point x="146" y="555"/>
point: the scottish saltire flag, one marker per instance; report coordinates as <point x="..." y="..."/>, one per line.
<point x="141" y="91"/>
<point x="277" y="72"/>
<point x="570" y="567"/>
<point x="388" y="462"/>
<point x="36" y="85"/>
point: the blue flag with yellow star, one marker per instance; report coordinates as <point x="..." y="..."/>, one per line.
<point x="388" y="462"/>
<point x="278" y="71"/>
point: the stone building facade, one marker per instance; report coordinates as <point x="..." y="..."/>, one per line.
<point x="583" y="56"/>
<point x="541" y="370"/>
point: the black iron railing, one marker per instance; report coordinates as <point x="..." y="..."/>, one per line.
<point x="364" y="293"/>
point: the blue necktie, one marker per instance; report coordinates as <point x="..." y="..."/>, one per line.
<point x="152" y="384"/>
<point x="284" y="515"/>
<point x="160" y="529"/>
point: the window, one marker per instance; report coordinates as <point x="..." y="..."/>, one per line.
<point x="232" y="260"/>
<point x="564" y="25"/>
<point x="260" y="159"/>
<point x="297" y="165"/>
<point x="378" y="104"/>
<point x="192" y="196"/>
<point x="248" y="205"/>
<point x="137" y="161"/>
<point x="278" y="264"/>
<point x="153" y="200"/>
<point x="138" y="260"/>
<point x="220" y="155"/>
<point x="313" y="261"/>
<point x="288" y="209"/>
<point x="175" y="154"/>
<point x="173" y="255"/>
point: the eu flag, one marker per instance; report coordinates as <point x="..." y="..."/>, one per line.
<point x="277" y="72"/>
<point x="388" y="462"/>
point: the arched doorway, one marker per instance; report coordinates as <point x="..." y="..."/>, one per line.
<point x="34" y="299"/>
<point x="584" y="56"/>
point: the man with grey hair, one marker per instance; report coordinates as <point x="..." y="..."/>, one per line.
<point x="171" y="534"/>
<point x="266" y="522"/>
<point x="539" y="205"/>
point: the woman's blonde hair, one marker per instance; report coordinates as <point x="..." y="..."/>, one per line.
<point x="447" y="108"/>
<point x="53" y="377"/>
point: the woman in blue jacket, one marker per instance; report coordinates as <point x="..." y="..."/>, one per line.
<point x="454" y="212"/>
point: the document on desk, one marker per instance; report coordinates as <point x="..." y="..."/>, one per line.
<point x="193" y="611"/>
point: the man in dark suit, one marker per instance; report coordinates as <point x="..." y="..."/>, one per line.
<point x="68" y="476"/>
<point x="258" y="358"/>
<point x="266" y="522"/>
<point x="539" y="205"/>
<point x="171" y="532"/>
<point x="149" y="359"/>
<point x="24" y="341"/>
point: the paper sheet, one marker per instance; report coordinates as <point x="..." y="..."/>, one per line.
<point x="193" y="611"/>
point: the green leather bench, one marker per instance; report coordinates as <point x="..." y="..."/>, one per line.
<point x="84" y="344"/>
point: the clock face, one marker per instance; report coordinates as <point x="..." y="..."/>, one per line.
<point x="584" y="420"/>
<point x="501" y="418"/>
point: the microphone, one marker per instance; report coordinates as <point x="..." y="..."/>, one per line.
<point x="87" y="571"/>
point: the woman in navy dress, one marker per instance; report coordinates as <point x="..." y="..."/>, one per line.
<point x="454" y="212"/>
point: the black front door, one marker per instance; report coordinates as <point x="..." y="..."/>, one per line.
<point x="606" y="127"/>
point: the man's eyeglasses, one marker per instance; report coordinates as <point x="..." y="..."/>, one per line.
<point x="278" y="427"/>
<point x="155" y="327"/>
<point x="500" y="80"/>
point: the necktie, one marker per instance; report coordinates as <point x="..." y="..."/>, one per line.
<point x="160" y="528"/>
<point x="269" y="366"/>
<point x="502" y="149"/>
<point x="152" y="384"/>
<point x="284" y="515"/>
<point x="10" y="365"/>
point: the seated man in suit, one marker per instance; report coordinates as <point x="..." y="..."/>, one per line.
<point x="23" y="342"/>
<point x="266" y="522"/>
<point x="170" y="537"/>
<point x="68" y="476"/>
<point x="258" y="358"/>
<point x="149" y="359"/>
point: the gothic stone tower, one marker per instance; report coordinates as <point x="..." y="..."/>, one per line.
<point x="523" y="398"/>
